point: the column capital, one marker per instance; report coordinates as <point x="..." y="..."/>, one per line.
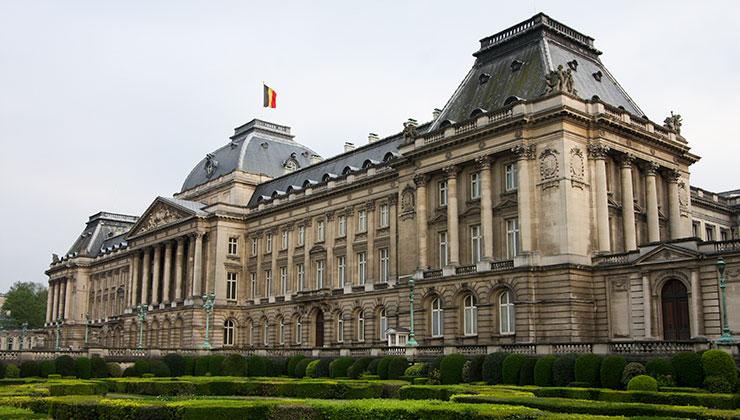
<point x="672" y="175"/>
<point x="484" y="162"/>
<point x="421" y="180"/>
<point x="370" y="205"/>
<point x="288" y="227"/>
<point x="393" y="198"/>
<point x="451" y="171"/>
<point x="349" y="211"/>
<point x="168" y="244"/>
<point x="180" y="240"/>
<point x="330" y="215"/>
<point x="598" y="151"/>
<point x="523" y="151"/>
<point x="307" y="221"/>
<point x="626" y="160"/>
<point x="650" y="168"/>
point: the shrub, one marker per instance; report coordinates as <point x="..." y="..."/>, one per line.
<point x="99" y="369"/>
<point x="397" y="367"/>
<point x="563" y="370"/>
<point x="292" y="362"/>
<point x="372" y="367"/>
<point x="338" y="368"/>
<point x="311" y="369"/>
<point x="474" y="373"/>
<point x="432" y="366"/>
<point x="201" y="365"/>
<point x="450" y="370"/>
<point x="659" y="366"/>
<point x="359" y="366"/>
<point x="46" y="368"/>
<point x="631" y="370"/>
<point x="588" y="369"/>
<point x="256" y="366"/>
<point x="55" y="375"/>
<point x="141" y="367"/>
<point x="12" y="371"/>
<point x="188" y="365"/>
<point x="543" y="371"/>
<point x="719" y="363"/>
<point x="526" y="374"/>
<point x="269" y="367"/>
<point x="114" y="369"/>
<point x="2" y="370"/>
<point x="511" y="367"/>
<point x="611" y="371"/>
<point x="147" y="375"/>
<point x="83" y="368"/>
<point x="29" y="369"/>
<point x="65" y="365"/>
<point x="159" y="369"/>
<point x="414" y="370"/>
<point x="176" y="363"/>
<point x="717" y="385"/>
<point x="214" y="364"/>
<point x="689" y="371"/>
<point x="300" y="368"/>
<point x="234" y="365"/>
<point x="491" y="371"/>
<point x="383" y="367"/>
<point x="322" y="368"/>
<point x="465" y="375"/>
<point x="642" y="383"/>
<point x="129" y="372"/>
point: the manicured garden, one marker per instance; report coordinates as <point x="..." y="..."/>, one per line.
<point x="494" y="386"/>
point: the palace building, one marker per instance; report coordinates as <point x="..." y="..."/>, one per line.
<point x="539" y="206"/>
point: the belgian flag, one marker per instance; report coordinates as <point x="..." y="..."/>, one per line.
<point x="270" y="98"/>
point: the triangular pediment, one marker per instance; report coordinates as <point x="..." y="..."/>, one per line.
<point x="664" y="253"/>
<point x="161" y="212"/>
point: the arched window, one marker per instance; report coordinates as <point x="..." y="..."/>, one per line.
<point x="228" y="332"/>
<point x="298" y="331"/>
<point x="383" y="324"/>
<point x="282" y="331"/>
<point x="266" y="337"/>
<point x="437" y="318"/>
<point x="470" y="316"/>
<point x="360" y="327"/>
<point x="340" y="329"/>
<point x="506" y="308"/>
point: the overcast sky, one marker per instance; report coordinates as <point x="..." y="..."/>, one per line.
<point x="106" y="105"/>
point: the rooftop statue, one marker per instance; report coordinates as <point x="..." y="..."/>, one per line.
<point x="673" y="122"/>
<point x="560" y="81"/>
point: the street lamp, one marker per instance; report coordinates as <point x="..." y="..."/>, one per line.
<point x="23" y="339"/>
<point x="87" y="325"/>
<point x="58" y="324"/>
<point x="726" y="338"/>
<point x="412" y="341"/>
<point x="141" y="314"/>
<point x="208" y="307"/>
<point x="2" y="333"/>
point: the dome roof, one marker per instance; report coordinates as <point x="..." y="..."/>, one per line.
<point x="258" y="147"/>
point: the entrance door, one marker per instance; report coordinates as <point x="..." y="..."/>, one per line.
<point x="320" y="329"/>
<point x="675" y="304"/>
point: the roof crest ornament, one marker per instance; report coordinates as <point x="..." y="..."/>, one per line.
<point x="673" y="122"/>
<point x="210" y="165"/>
<point x="560" y="81"/>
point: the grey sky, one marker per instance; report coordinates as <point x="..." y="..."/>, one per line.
<point x="105" y="105"/>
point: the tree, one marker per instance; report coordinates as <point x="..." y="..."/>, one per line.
<point x="26" y="302"/>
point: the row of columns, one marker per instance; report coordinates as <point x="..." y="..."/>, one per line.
<point x="59" y="299"/>
<point x="104" y="294"/>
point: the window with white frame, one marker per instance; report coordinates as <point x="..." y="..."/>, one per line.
<point x="281" y="338"/>
<point x="475" y="185"/>
<point x="284" y="242"/>
<point x="228" y="332"/>
<point x="384" y="265"/>
<point x="231" y="279"/>
<point x="342" y="270"/>
<point x="251" y="333"/>
<point x="476" y="244"/>
<point x="696" y="229"/>
<point x="444" y="252"/>
<point x="320" y="230"/>
<point x="383" y="325"/>
<point x="266" y="334"/>
<point x="320" y="274"/>
<point x="342" y="225"/>
<point x="283" y="280"/>
<point x="437" y="318"/>
<point x="361" y="220"/>
<point x="710" y="232"/>
<point x="268" y="282"/>
<point x="360" y="327"/>
<point x="361" y="268"/>
<point x="298" y="332"/>
<point x="442" y="187"/>
<point x="268" y="242"/>
<point x="253" y="281"/>
<point x="512" y="176"/>
<point x="300" y="273"/>
<point x="233" y="246"/>
<point x="384" y="216"/>
<point x="506" y="309"/>
<point x="470" y="315"/>
<point x="254" y="246"/>
<point x="340" y="329"/>
<point x="301" y="235"/>
<point x="512" y="237"/>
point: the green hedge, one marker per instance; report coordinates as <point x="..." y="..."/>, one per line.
<point x="631" y="370"/>
<point x="141" y="367"/>
<point x="292" y="362"/>
<point x="688" y="367"/>
<point x="201" y="365"/>
<point x="526" y="374"/>
<point x="46" y="368"/>
<point x="543" y="371"/>
<point x="188" y="365"/>
<point x="359" y="367"/>
<point x="450" y="369"/>
<point x="491" y="370"/>
<point x="338" y="368"/>
<point x="658" y="367"/>
<point x="176" y="363"/>
<point x="78" y="388"/>
<point x="563" y="370"/>
<point x="234" y="365"/>
<point x="642" y="383"/>
<point x="511" y="368"/>
<point x="214" y="364"/>
<point x="397" y="367"/>
<point x="99" y="368"/>
<point x="383" y="366"/>
<point x="588" y="369"/>
<point x="431" y="392"/>
<point x="114" y="370"/>
<point x="256" y="366"/>
<point x="372" y="367"/>
<point x="719" y="363"/>
<point x="474" y="373"/>
<point x="612" y="368"/>
<point x="300" y="368"/>
<point x="159" y="369"/>
<point x="29" y="369"/>
<point x="83" y="368"/>
<point x="65" y="365"/>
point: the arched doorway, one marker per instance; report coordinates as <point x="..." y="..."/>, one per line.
<point x="675" y="305"/>
<point x="320" y="328"/>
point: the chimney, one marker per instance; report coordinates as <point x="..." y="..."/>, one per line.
<point x="348" y="147"/>
<point x="315" y="159"/>
<point x="436" y="113"/>
<point x="372" y="138"/>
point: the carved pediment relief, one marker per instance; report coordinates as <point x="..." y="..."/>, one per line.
<point x="159" y="215"/>
<point x="317" y="249"/>
<point x="507" y="202"/>
<point x="665" y="253"/>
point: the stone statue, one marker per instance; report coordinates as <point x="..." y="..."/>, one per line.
<point x="560" y="81"/>
<point x="409" y="131"/>
<point x="673" y="123"/>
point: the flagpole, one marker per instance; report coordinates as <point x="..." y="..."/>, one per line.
<point x="262" y="112"/>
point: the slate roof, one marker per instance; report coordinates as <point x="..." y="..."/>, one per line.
<point x="514" y="63"/>
<point x="102" y="230"/>
<point x="192" y="206"/>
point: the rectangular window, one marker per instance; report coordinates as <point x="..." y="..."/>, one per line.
<point x="266" y="338"/>
<point x="443" y="251"/>
<point x="282" y="332"/>
<point x="710" y="232"/>
<point x="696" y="226"/>
<point x="320" y="274"/>
<point x="361" y="221"/>
<point x="230" y="286"/>
<point x="384" y="218"/>
<point x="340" y="330"/>
<point x="512" y="176"/>
<point x="361" y="328"/>
<point x="476" y="242"/>
<point x="251" y="334"/>
<point x="268" y="243"/>
<point x="320" y="230"/>
<point x="254" y="246"/>
<point x="301" y="235"/>
<point x="301" y="277"/>
<point x="442" y="193"/>
<point x="475" y="186"/>
<point x="384" y="265"/>
<point x="361" y="268"/>
<point x="342" y="270"/>
<point x="512" y="237"/>
<point x="298" y="332"/>
<point x="285" y="240"/>
<point x="342" y="224"/>
<point x="253" y="280"/>
<point x="724" y="235"/>
<point x="268" y="282"/>
<point x="233" y="249"/>
<point x="283" y="280"/>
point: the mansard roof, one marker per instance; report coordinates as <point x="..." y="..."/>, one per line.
<point x="102" y="230"/>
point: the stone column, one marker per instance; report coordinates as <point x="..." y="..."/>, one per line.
<point x="179" y="255"/>
<point x="330" y="262"/>
<point x="486" y="206"/>
<point x="133" y="294"/>
<point x="651" y="170"/>
<point x="421" y="219"/>
<point x="260" y="269"/>
<point x="197" y="264"/>
<point x="55" y="300"/>
<point x="350" y="270"/>
<point x="628" y="203"/>
<point x="167" y="275"/>
<point x="697" y="309"/>
<point x="371" y="257"/>
<point x="188" y="287"/>
<point x="61" y="297"/>
<point x="525" y="196"/>
<point x="290" y="268"/>
<point x="156" y="276"/>
<point x="392" y="249"/>
<point x="598" y="153"/>
<point x="68" y="306"/>
<point x="274" y="271"/>
<point x="107" y="284"/>
<point x="452" y="214"/>
<point x="50" y="302"/>
<point x="145" y="270"/>
<point x="674" y="210"/>
<point x="646" y="306"/>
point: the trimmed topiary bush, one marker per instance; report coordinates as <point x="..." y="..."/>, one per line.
<point x="322" y="368"/>
<point x="611" y="371"/>
<point x="201" y="365"/>
<point x="176" y="363"/>
<point x="114" y="370"/>
<point x="141" y="367"/>
<point x="159" y="369"/>
<point x="450" y="370"/>
<point x="2" y="370"/>
<point x="414" y="370"/>
<point x="465" y="375"/>
<point x="99" y="369"/>
<point x="526" y="374"/>
<point x="717" y="385"/>
<point x="65" y="365"/>
<point x="642" y="383"/>
<point x="83" y="368"/>
<point x="372" y="367"/>
<point x="563" y="370"/>
<point x="188" y="366"/>
<point x="492" y="370"/>
<point x="543" y="371"/>
<point x="12" y="371"/>
<point x="292" y="362"/>
<point x="432" y="366"/>
<point x="46" y="368"/>
<point x="234" y="365"/>
<point x="631" y="370"/>
<point x="300" y="368"/>
<point x="511" y="368"/>
<point x="359" y="366"/>
<point x="719" y="363"/>
<point x="659" y="366"/>
<point x="311" y="369"/>
<point x="474" y="371"/>
<point x="397" y="367"/>
<point x="256" y="366"/>
<point x="383" y="366"/>
<point x="269" y="366"/>
<point x="214" y="364"/>
<point x="588" y="369"/>
<point x="689" y="371"/>
<point x="29" y="369"/>
<point x="129" y="372"/>
<point x="338" y="368"/>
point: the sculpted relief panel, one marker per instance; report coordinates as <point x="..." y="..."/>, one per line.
<point x="160" y="215"/>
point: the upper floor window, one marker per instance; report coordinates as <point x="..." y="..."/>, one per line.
<point x="285" y="240"/>
<point x="340" y="329"/>
<point x="281" y="335"/>
<point x="320" y="274"/>
<point x="361" y="220"/>
<point x="253" y="278"/>
<point x="470" y="315"/>
<point x="361" y="268"/>
<point x="383" y="325"/>
<point x="266" y="337"/>
<point x="231" y="286"/>
<point x="300" y="273"/>
<point x="320" y="230"/>
<point x="342" y="225"/>
<point x="437" y="318"/>
<point x="228" y="332"/>
<point x="443" y="251"/>
<point x="476" y="244"/>
<point x="384" y="218"/>
<point x="442" y="193"/>
<point x="360" y="327"/>
<point x="301" y="235"/>
<point x="342" y="270"/>
<point x="298" y="332"/>
<point x="475" y="186"/>
<point x="724" y="235"/>
<point x="268" y="243"/>
<point x="233" y="246"/>
<point x="506" y="307"/>
<point x="512" y="237"/>
<point x="254" y="246"/>
<point x="283" y="280"/>
<point x="268" y="282"/>
<point x="512" y="176"/>
<point x="384" y="265"/>
<point x="710" y="232"/>
<point x="696" y="229"/>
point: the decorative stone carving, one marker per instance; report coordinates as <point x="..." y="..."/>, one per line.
<point x="683" y="194"/>
<point x="160" y="215"/>
<point x="650" y="168"/>
<point x="619" y="284"/>
<point x="522" y="151"/>
<point x="549" y="166"/>
<point x="370" y="205"/>
<point x="330" y="215"/>
<point x="409" y="131"/>
<point x="393" y="199"/>
<point x="349" y="211"/>
<point x="450" y="171"/>
<point x="408" y="200"/>
<point x="484" y="162"/>
<point x="598" y="151"/>
<point x="560" y="81"/>
<point x="421" y="180"/>
<point x="626" y="160"/>
<point x="673" y="122"/>
<point x="210" y="165"/>
<point x="577" y="166"/>
<point x="672" y="175"/>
